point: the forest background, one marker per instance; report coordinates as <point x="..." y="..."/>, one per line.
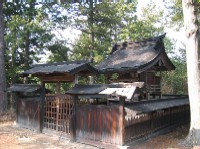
<point x="34" y="30"/>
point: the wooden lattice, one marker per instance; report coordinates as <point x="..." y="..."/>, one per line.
<point x="58" y="111"/>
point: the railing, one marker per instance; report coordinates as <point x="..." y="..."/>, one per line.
<point x="154" y="90"/>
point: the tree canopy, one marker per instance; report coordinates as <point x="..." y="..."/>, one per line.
<point x="32" y="32"/>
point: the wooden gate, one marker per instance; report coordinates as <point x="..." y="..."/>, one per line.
<point x="58" y="111"/>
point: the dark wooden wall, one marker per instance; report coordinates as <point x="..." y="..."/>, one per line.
<point x="28" y="112"/>
<point x="146" y="124"/>
<point x="108" y="124"/>
<point x="100" y="123"/>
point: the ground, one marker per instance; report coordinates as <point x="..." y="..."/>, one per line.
<point x="13" y="137"/>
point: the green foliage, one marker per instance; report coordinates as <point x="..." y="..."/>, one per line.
<point x="138" y="28"/>
<point x="105" y="23"/>
<point x="175" y="82"/>
<point x="176" y="12"/>
<point x="29" y="34"/>
<point x="30" y="26"/>
<point x="97" y="23"/>
<point x="59" y="52"/>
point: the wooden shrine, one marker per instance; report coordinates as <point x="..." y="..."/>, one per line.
<point x="141" y="61"/>
<point x="115" y="113"/>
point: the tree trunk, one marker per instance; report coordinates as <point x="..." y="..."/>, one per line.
<point x="91" y="26"/>
<point x="13" y="77"/>
<point x="3" y="97"/>
<point x="193" y="68"/>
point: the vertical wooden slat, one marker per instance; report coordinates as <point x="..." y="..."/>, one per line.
<point x="99" y="123"/>
<point x="73" y="120"/>
<point x="57" y="111"/>
<point x="42" y="105"/>
<point x="113" y="126"/>
<point x="121" y="132"/>
<point x="95" y="124"/>
<point x="108" y="120"/>
<point x="121" y="120"/>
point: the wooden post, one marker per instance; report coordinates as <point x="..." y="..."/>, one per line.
<point x="75" y="79"/>
<point x="57" y="111"/>
<point x="58" y="87"/>
<point x="122" y="117"/>
<point x="73" y="119"/>
<point x="108" y="102"/>
<point x="17" y="108"/>
<point x="122" y="100"/>
<point x="107" y="76"/>
<point x="42" y="96"/>
<point x="160" y="84"/>
<point x="147" y="89"/>
<point x="91" y="80"/>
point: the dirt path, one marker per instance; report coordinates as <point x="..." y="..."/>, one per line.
<point x="12" y="137"/>
<point x="168" y="141"/>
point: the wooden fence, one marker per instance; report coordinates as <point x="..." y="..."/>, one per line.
<point x="146" y="124"/>
<point x="109" y="124"/>
<point x="28" y="112"/>
<point x="100" y="123"/>
<point x="57" y="112"/>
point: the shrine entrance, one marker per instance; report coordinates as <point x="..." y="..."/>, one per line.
<point x="57" y="112"/>
<point x="57" y="107"/>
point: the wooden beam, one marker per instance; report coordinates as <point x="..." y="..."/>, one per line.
<point x="67" y="78"/>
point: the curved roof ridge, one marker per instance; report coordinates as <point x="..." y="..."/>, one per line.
<point x="136" y="56"/>
<point x="135" y="44"/>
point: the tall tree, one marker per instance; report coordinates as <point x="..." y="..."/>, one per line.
<point x="103" y="24"/>
<point x="32" y="24"/>
<point x="3" y="99"/>
<point x="97" y="21"/>
<point x="193" y="67"/>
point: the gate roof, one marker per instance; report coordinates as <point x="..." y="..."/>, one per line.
<point x="63" y="71"/>
<point x="71" y="67"/>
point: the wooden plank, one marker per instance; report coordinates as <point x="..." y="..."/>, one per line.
<point x="65" y="78"/>
<point x="113" y="126"/>
<point x="121" y="131"/>
<point x="73" y="120"/>
<point x="42" y="105"/>
<point x="94" y="132"/>
<point x="108" y="120"/>
<point x="99" y="130"/>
